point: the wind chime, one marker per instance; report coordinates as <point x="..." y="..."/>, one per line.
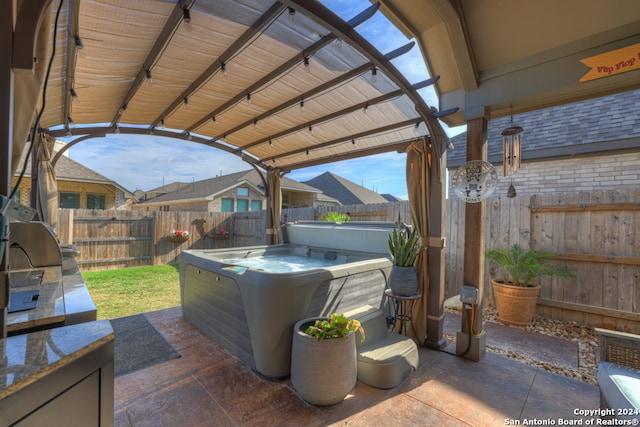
<point x="512" y="139"/>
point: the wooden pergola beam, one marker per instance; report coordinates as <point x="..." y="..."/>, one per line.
<point x="273" y="75"/>
<point x="170" y="27"/>
<point x="326" y="118"/>
<point x="400" y="147"/>
<point x="362" y="105"/>
<point x="262" y="22"/>
<point x="74" y="8"/>
<point x="342" y="139"/>
<point x="326" y="18"/>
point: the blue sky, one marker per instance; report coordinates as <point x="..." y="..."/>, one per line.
<point x="147" y="162"/>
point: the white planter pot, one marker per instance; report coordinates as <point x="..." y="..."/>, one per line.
<point x="322" y="372"/>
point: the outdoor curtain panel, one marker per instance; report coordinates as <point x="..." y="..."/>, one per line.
<point x="47" y="187"/>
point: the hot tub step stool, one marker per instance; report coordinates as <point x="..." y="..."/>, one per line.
<point x="385" y="358"/>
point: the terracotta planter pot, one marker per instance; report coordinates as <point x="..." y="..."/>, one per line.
<point x="322" y="372"/>
<point x="403" y="281"/>
<point x="516" y="305"/>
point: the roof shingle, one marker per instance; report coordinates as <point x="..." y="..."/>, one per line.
<point x="347" y="192"/>
<point x="598" y="120"/>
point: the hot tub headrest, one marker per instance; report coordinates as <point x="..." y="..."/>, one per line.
<point x="369" y="237"/>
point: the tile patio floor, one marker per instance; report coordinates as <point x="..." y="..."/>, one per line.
<point x="208" y="387"/>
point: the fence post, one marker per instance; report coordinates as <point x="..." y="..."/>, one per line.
<point x="154" y="242"/>
<point x="65" y="235"/>
<point x="70" y="227"/>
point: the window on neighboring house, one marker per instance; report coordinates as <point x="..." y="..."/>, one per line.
<point x="95" y="201"/>
<point x="243" y="192"/>
<point x="285" y="200"/>
<point x="242" y="205"/>
<point x="256" y="205"/>
<point x="227" y="205"/>
<point x="70" y="200"/>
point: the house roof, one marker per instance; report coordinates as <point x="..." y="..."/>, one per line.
<point x="67" y="169"/>
<point x="601" y="124"/>
<point x="391" y="198"/>
<point x="345" y="191"/>
<point x="153" y="193"/>
<point x="208" y="188"/>
<point x="168" y="187"/>
<point x="327" y="199"/>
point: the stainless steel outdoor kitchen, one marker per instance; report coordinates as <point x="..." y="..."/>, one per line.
<point x="56" y="351"/>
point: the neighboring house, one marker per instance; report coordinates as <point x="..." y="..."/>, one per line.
<point x="236" y="192"/>
<point x="142" y="195"/>
<point x="345" y="191"/>
<point x="78" y="187"/>
<point x="324" y="200"/>
<point x="586" y="146"/>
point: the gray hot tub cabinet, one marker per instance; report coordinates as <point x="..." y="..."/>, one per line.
<point x="251" y="313"/>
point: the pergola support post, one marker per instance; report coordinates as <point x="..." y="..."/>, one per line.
<point x="435" y="295"/>
<point x="471" y="341"/>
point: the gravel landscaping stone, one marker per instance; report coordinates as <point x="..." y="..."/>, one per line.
<point x="585" y="337"/>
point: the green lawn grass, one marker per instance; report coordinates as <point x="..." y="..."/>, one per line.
<point x="134" y="290"/>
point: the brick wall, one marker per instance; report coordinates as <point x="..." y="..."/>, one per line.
<point x="603" y="172"/>
<point x="83" y="188"/>
<point x="25" y="190"/>
<point x="299" y="199"/>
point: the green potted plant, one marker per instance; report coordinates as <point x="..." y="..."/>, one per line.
<point x="515" y="291"/>
<point x="404" y="246"/>
<point x="335" y="217"/>
<point x="335" y="326"/>
<point x="323" y="358"/>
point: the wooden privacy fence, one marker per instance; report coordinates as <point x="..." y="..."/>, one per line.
<point x="596" y="233"/>
<point x="117" y="239"/>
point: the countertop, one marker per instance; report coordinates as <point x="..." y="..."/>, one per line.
<point x="64" y="298"/>
<point x="26" y="358"/>
<point x="50" y="309"/>
<point x="78" y="304"/>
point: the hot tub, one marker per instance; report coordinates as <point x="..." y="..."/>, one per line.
<point x="250" y="309"/>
